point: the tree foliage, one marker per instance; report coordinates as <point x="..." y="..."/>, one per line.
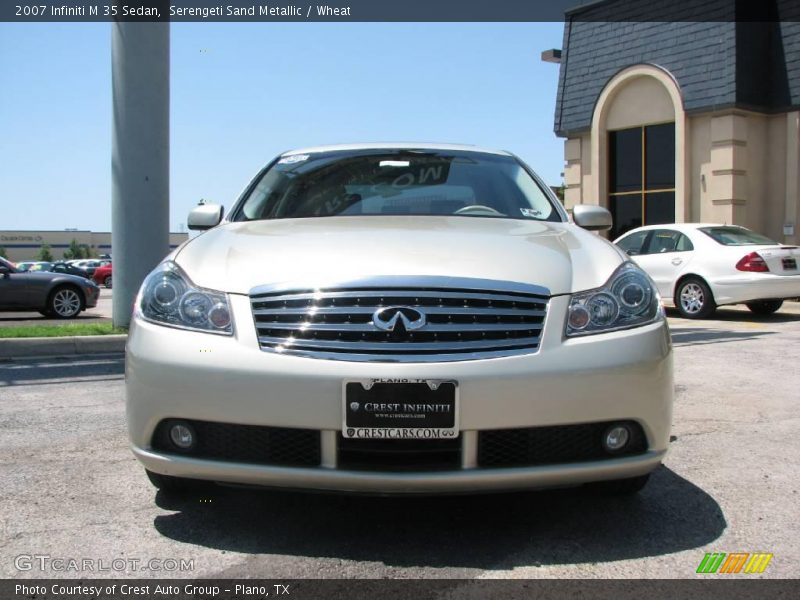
<point x="45" y="254"/>
<point x="75" y="251"/>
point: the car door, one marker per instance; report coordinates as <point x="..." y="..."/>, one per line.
<point x="665" y="257"/>
<point x="13" y="287"/>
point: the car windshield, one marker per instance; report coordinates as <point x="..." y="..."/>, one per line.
<point x="737" y="236"/>
<point x="400" y="182"/>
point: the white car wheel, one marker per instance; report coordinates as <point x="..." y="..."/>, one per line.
<point x="694" y="300"/>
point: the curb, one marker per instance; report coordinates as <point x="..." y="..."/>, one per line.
<point x="14" y="348"/>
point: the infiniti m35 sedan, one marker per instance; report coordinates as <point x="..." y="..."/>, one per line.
<point x="399" y="318"/>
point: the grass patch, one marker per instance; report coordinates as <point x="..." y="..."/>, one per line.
<point x="67" y="329"/>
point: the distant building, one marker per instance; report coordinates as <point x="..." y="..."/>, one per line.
<point x="690" y="120"/>
<point x="25" y="245"/>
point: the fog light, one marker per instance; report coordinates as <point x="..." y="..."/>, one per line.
<point x="616" y="438"/>
<point x="182" y="435"/>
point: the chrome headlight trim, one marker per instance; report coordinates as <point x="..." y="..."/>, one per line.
<point x="168" y="297"/>
<point x="628" y="299"/>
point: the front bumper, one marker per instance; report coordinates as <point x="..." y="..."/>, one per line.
<point x="92" y="296"/>
<point x="623" y="375"/>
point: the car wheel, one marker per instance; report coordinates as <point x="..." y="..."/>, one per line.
<point x="65" y="302"/>
<point x="764" y="307"/>
<point x="694" y="299"/>
<point x="620" y="487"/>
<point x="107" y="281"/>
<point x="168" y="483"/>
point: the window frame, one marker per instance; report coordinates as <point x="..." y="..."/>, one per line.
<point x="645" y="241"/>
<point x="654" y="232"/>
<point x="643" y="190"/>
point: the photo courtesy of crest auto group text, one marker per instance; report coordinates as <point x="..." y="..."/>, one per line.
<point x="446" y="299"/>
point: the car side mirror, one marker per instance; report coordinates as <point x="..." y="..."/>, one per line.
<point x="205" y="216"/>
<point x="592" y="217"/>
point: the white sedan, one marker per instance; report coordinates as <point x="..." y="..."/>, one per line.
<point x="700" y="266"/>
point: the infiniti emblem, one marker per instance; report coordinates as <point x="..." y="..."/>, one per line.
<point x="398" y="318"/>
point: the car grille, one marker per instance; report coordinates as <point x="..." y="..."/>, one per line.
<point x="246" y="443"/>
<point x="459" y="323"/>
<point x="560" y="444"/>
<point x="399" y="455"/>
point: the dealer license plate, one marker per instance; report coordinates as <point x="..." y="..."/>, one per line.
<point x="401" y="409"/>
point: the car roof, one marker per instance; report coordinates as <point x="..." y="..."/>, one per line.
<point x="679" y="227"/>
<point x="394" y="146"/>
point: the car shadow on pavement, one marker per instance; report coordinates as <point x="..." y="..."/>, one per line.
<point x="694" y="336"/>
<point x="498" y="531"/>
<point x="736" y="315"/>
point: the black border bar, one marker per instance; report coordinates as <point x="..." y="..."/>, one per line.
<point x="333" y="11"/>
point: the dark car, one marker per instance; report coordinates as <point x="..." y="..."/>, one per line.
<point x="53" y="294"/>
<point x="69" y="269"/>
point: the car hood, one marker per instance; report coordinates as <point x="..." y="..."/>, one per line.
<point x="237" y="257"/>
<point x="40" y="276"/>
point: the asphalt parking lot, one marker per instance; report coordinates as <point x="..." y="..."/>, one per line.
<point x="70" y="487"/>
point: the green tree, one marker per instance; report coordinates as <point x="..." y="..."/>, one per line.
<point x="75" y="251"/>
<point x="45" y="254"/>
<point x="3" y="252"/>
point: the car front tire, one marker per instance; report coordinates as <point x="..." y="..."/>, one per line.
<point x="107" y="282"/>
<point x="764" y="307"/>
<point x="65" y="302"/>
<point x="694" y="300"/>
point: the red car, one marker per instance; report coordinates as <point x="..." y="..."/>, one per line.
<point x="103" y="275"/>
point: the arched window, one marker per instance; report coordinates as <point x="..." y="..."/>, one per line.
<point x="641" y="178"/>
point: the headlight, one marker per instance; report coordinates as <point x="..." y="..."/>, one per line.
<point x="169" y="297"/>
<point x="628" y="299"/>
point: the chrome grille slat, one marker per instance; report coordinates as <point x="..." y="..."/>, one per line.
<point x="393" y="346"/>
<point x="368" y="310"/>
<point x="436" y="328"/>
<point x="449" y="294"/>
<point x="461" y="319"/>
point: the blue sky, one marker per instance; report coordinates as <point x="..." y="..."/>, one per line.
<point x="244" y="92"/>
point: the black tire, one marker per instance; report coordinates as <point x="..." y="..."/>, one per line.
<point x="620" y="487"/>
<point x="107" y="282"/>
<point x="764" y="307"/>
<point x="65" y="302"/>
<point x="168" y="483"/>
<point x="693" y="299"/>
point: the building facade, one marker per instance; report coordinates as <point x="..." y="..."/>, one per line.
<point x="25" y="245"/>
<point x="684" y="120"/>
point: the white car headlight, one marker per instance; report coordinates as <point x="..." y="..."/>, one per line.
<point x="628" y="299"/>
<point x="169" y="297"/>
